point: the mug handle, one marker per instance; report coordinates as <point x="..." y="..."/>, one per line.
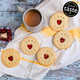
<point x="20" y="9"/>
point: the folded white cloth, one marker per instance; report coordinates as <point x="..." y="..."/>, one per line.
<point x="29" y="66"/>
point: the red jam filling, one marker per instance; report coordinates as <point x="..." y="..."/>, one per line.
<point x="29" y="46"/>
<point x="62" y="40"/>
<point x="46" y="56"/>
<point x="9" y="34"/>
<point x="59" y="22"/>
<point x="10" y="58"/>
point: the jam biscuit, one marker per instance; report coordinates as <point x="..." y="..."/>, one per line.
<point x="10" y="58"/>
<point x="29" y="45"/>
<point x="59" y="21"/>
<point x="46" y="56"/>
<point x="62" y="39"/>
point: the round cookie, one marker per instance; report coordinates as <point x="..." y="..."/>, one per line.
<point x="62" y="39"/>
<point x="10" y="58"/>
<point x="46" y="56"/>
<point x="59" y="21"/>
<point x="29" y="45"/>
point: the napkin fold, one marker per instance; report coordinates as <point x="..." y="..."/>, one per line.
<point x="29" y="66"/>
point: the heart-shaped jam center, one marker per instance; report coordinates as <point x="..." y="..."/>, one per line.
<point x="62" y="40"/>
<point x="46" y="56"/>
<point x="29" y="46"/>
<point x="10" y="58"/>
<point x="59" y="22"/>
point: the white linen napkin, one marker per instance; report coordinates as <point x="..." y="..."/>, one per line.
<point x="29" y="66"/>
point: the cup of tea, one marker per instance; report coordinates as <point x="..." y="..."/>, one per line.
<point x="32" y="19"/>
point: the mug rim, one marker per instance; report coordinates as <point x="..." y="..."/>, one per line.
<point x="29" y="10"/>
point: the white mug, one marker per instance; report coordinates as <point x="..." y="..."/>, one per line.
<point x="42" y="23"/>
<point x="37" y="28"/>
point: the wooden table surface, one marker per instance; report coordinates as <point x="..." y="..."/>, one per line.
<point x="10" y="17"/>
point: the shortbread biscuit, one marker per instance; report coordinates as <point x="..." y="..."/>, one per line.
<point x="62" y="39"/>
<point x="10" y="58"/>
<point x="59" y="21"/>
<point x="29" y="45"/>
<point x="46" y="56"/>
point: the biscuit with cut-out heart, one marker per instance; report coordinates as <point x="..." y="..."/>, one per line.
<point x="29" y="45"/>
<point x="59" y="21"/>
<point x="62" y="39"/>
<point x="10" y="58"/>
<point x="46" y="56"/>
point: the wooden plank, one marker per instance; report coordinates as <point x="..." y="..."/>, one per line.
<point x="9" y="5"/>
<point x="11" y="19"/>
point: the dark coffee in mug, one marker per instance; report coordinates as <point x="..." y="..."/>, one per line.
<point x="32" y="18"/>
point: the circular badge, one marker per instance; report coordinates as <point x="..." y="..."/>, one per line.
<point x="70" y="9"/>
